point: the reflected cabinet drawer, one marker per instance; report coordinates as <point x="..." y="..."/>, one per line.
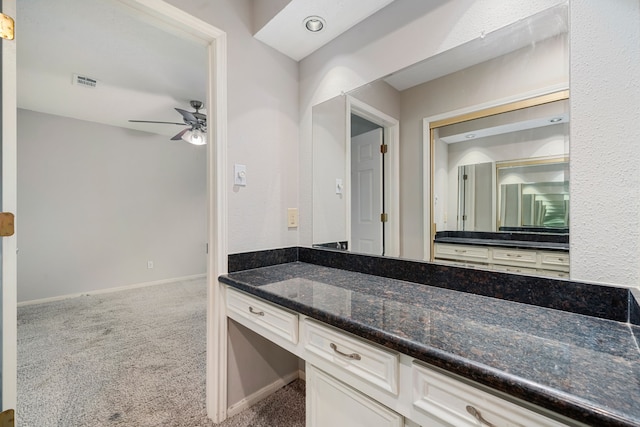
<point x="266" y="316"/>
<point x="514" y="257"/>
<point x="555" y="260"/>
<point x="346" y="353"/>
<point x="439" y="398"/>
<point x="461" y="252"/>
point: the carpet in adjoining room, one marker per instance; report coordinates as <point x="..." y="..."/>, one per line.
<point x="127" y="358"/>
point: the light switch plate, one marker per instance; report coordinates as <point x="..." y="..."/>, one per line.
<point x="240" y="175"/>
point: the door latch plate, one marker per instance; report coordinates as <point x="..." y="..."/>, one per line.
<point x="6" y="227"/>
<point x="8" y="418"/>
<point x="7" y="26"/>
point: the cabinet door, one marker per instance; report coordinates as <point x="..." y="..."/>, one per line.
<point x="331" y="403"/>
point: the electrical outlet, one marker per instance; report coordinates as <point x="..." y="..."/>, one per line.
<point x="292" y="217"/>
<point x="149" y="264"/>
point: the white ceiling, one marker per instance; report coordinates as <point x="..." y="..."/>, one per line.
<point x="520" y="34"/>
<point x="286" y="32"/>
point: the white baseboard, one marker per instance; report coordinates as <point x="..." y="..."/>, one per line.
<point x="109" y="290"/>
<point x="261" y="394"/>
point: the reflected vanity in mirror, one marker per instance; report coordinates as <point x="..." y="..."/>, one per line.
<point x="382" y="187"/>
<point x="501" y="187"/>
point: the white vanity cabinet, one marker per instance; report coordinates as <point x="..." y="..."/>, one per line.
<point x="357" y="383"/>
<point x="330" y="402"/>
<point x="508" y="260"/>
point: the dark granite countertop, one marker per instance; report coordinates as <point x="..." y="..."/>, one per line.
<point x="508" y="239"/>
<point x="583" y="367"/>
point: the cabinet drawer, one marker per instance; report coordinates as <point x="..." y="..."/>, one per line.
<point x="371" y="363"/>
<point x="556" y="274"/>
<point x="438" y="396"/>
<point x="462" y="252"/>
<point x="514" y="269"/>
<point x="555" y="259"/>
<point x="333" y="403"/>
<point x="259" y="312"/>
<point x="514" y="257"/>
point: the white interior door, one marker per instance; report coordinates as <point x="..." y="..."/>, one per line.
<point x="366" y="194"/>
<point x="8" y="119"/>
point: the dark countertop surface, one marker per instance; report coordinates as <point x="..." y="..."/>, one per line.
<point x="583" y="367"/>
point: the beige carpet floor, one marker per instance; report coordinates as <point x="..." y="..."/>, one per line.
<point x="128" y="358"/>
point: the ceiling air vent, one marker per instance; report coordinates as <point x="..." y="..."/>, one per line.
<point x="84" y="81"/>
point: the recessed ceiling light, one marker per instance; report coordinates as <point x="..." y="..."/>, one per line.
<point x="471" y="135"/>
<point x="314" y="23"/>
<point x="556" y="120"/>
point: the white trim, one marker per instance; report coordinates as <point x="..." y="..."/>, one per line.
<point x="426" y="148"/>
<point x="110" y="290"/>
<point x="261" y="394"/>
<point x="9" y="204"/>
<point x="391" y="128"/>
<point x="216" y="41"/>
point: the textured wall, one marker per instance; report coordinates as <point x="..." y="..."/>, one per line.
<point x="605" y="131"/>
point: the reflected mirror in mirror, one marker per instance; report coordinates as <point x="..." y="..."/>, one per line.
<point x="529" y="56"/>
<point x="534" y="196"/>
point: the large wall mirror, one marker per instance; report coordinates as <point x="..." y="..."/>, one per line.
<point x="374" y="151"/>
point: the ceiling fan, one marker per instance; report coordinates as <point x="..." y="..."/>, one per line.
<point x="196" y="122"/>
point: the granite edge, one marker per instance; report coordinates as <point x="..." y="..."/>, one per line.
<point x="634" y="306"/>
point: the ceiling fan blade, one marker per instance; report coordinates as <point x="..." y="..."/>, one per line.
<point x="188" y="116"/>
<point x="200" y="116"/>
<point x="178" y="136"/>
<point x="151" y="121"/>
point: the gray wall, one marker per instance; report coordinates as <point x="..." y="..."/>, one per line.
<point x="97" y="202"/>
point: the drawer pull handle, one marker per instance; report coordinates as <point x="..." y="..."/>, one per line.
<point x="514" y="255"/>
<point x="478" y="416"/>
<point x="460" y="251"/>
<point x="258" y="313"/>
<point x="354" y="356"/>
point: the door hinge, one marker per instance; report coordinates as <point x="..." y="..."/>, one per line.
<point x="8" y="418"/>
<point x="384" y="217"/>
<point x="6" y="224"/>
<point x="464" y="217"/>
<point x="465" y="177"/>
<point x="384" y="148"/>
<point x="7" y="25"/>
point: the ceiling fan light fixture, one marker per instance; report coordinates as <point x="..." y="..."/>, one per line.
<point x="314" y="23"/>
<point x="195" y="137"/>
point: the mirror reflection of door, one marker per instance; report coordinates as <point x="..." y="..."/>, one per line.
<point x="367" y="178"/>
<point x="475" y="184"/>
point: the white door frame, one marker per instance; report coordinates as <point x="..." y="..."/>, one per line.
<point x="391" y="189"/>
<point x="9" y="204"/>
<point x="216" y="41"/>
